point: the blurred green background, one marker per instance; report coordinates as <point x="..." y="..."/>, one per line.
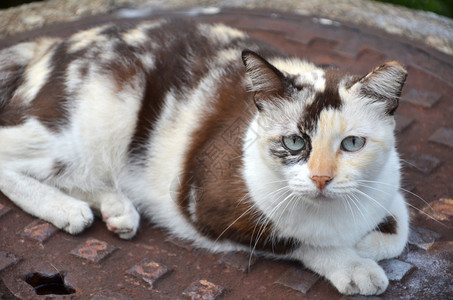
<point x="441" y="7"/>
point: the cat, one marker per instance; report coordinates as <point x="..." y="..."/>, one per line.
<point x="215" y="136"/>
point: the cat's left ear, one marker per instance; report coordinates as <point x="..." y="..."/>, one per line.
<point x="267" y="81"/>
<point x="384" y="84"/>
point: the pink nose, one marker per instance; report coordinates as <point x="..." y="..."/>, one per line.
<point x="321" y="181"/>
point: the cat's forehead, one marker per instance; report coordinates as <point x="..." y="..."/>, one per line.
<point x="328" y="94"/>
<point x="317" y="91"/>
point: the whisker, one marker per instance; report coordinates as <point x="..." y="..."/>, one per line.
<point x="252" y="206"/>
<point x="413" y="206"/>
<point x="350" y="208"/>
<point x="263" y="217"/>
<point x="284" y="209"/>
<point x="237" y="219"/>
<point x="293" y="209"/>
<point x="427" y="215"/>
<point x="402" y="189"/>
<point x="356" y="202"/>
<point x="409" y="163"/>
<point x="375" y="201"/>
<point x="269" y="217"/>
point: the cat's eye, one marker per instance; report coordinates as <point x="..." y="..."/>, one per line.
<point x="352" y="143"/>
<point x="293" y="143"/>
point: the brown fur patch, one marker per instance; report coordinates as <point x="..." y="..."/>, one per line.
<point x="10" y="112"/>
<point x="329" y="98"/>
<point x="175" y="72"/>
<point x="125" y="70"/>
<point x="388" y="226"/>
<point x="213" y="166"/>
<point x="49" y="105"/>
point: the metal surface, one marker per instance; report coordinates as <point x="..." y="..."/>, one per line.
<point x="98" y="265"/>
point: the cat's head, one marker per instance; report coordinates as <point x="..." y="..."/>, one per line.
<point x="321" y="130"/>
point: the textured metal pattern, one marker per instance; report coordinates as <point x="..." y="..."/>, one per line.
<point x="98" y="265"/>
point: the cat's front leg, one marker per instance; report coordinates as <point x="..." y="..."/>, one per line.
<point x="346" y="270"/>
<point x="118" y="213"/>
<point x="390" y="237"/>
<point x="46" y="202"/>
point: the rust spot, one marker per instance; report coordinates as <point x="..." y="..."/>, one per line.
<point x="94" y="250"/>
<point x="39" y="230"/>
<point x="441" y="209"/>
<point x="203" y="289"/>
<point x="149" y="271"/>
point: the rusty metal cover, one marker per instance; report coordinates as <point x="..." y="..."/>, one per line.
<point x="38" y="261"/>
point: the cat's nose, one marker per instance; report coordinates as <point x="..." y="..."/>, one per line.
<point x="321" y="181"/>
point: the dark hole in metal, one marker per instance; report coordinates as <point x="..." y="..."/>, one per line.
<point x="49" y="284"/>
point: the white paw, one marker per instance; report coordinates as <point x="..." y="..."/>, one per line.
<point x="73" y="217"/>
<point x="365" y="277"/>
<point x="120" y="217"/>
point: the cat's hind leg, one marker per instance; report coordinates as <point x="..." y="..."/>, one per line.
<point x="389" y="238"/>
<point x="46" y="202"/>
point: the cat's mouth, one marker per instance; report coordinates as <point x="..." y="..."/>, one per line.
<point x="315" y="196"/>
<point x="321" y="195"/>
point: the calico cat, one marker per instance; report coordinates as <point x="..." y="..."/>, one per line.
<point x="234" y="150"/>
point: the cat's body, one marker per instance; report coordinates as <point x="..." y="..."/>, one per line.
<point x="285" y="159"/>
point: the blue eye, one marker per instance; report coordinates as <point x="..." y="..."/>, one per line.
<point x="352" y="143"/>
<point x="293" y="143"/>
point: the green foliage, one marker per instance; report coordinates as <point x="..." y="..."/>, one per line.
<point x="441" y="7"/>
<point x="10" y="3"/>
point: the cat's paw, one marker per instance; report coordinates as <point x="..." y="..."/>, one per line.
<point x="365" y="277"/>
<point x="74" y="218"/>
<point x="121" y="217"/>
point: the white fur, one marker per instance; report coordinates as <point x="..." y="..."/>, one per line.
<point x="23" y="166"/>
<point x="294" y="66"/>
<point x="315" y="78"/>
<point x="37" y="71"/>
<point x="84" y="39"/>
<point x="221" y="33"/>
<point x="95" y="154"/>
<point x="137" y="36"/>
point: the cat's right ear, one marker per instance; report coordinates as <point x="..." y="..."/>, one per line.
<point x="384" y="85"/>
<point x="267" y="82"/>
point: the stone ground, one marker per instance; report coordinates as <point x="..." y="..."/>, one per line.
<point x="36" y="260"/>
